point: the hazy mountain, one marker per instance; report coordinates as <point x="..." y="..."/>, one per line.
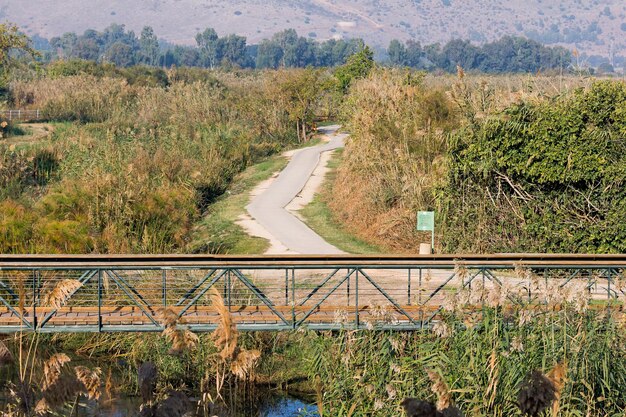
<point x="591" y="26"/>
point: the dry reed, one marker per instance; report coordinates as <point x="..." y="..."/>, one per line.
<point x="440" y="389"/>
<point x="90" y="378"/>
<point x="52" y="369"/>
<point x="225" y="337"/>
<point x="182" y="339"/>
<point x="60" y="294"/>
<point x="558" y="376"/>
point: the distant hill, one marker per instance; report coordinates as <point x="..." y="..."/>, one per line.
<point x="594" y="27"/>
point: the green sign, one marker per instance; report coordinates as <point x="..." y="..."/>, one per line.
<point x="426" y="221"/>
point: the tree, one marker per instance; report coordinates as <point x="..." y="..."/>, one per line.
<point x="285" y="40"/>
<point x="11" y="40"/>
<point x="121" y="54"/>
<point x="209" y="45"/>
<point x="233" y="50"/>
<point x="358" y="66"/>
<point x="269" y="54"/>
<point x="65" y="44"/>
<point x="86" y="49"/>
<point x="299" y="90"/>
<point x="397" y="53"/>
<point x="149" y="46"/>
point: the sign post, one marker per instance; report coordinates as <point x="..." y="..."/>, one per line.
<point x="426" y="223"/>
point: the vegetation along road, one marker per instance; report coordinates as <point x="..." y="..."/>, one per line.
<point x="269" y="207"/>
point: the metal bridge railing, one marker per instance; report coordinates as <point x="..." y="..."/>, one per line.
<point x="282" y="295"/>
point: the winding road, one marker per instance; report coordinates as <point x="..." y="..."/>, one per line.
<point x="268" y="208"/>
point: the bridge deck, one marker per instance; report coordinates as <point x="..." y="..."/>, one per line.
<point x="127" y="293"/>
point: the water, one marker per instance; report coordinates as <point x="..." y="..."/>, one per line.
<point x="275" y="406"/>
<point x="289" y="407"/>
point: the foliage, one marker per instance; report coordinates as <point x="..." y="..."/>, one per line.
<point x="357" y="67"/>
<point x="392" y="161"/>
<point x="123" y="48"/>
<point x="554" y="169"/>
<point x="534" y="170"/>
<point x="12" y="42"/>
<point x="484" y="364"/>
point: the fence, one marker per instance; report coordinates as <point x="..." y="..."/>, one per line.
<point x="21" y="115"/>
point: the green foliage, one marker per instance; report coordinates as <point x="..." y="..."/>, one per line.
<point x="358" y="66"/>
<point x="483" y="363"/>
<point x="12" y="45"/>
<point x="121" y="47"/>
<point x="554" y="168"/>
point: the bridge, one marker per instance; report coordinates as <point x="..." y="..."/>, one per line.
<point x="126" y="293"/>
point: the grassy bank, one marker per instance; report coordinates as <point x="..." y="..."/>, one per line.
<point x="319" y="217"/>
<point x="218" y="231"/>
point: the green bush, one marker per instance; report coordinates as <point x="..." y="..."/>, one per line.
<point x="546" y="177"/>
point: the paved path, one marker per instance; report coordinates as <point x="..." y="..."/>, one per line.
<point x="268" y="208"/>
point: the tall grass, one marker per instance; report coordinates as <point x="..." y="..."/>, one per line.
<point x="140" y="165"/>
<point x="483" y="363"/>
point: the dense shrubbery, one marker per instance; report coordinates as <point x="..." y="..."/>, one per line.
<point x="545" y="177"/>
<point x="507" y="167"/>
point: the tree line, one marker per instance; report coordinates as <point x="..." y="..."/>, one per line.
<point x="508" y="54"/>
<point x="124" y="48"/>
<point x="286" y="49"/>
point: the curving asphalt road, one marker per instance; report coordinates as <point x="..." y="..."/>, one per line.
<point x="268" y="208"/>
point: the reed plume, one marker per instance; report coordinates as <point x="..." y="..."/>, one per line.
<point x="182" y="339"/>
<point x="90" y="378"/>
<point x="244" y="362"/>
<point x="64" y="388"/>
<point x="558" y="376"/>
<point x="440" y="389"/>
<point x="225" y="337"/>
<point x="445" y="404"/>
<point x="52" y="369"/>
<point x="61" y="293"/>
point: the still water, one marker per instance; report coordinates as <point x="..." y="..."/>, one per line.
<point x="275" y="406"/>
